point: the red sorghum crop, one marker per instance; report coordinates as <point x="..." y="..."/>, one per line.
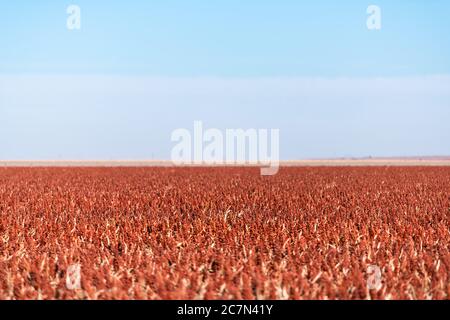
<point x="225" y="233"/>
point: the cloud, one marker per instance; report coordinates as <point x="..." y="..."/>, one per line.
<point x="118" y="117"/>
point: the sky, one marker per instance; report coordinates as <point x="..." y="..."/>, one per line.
<point x="138" y="70"/>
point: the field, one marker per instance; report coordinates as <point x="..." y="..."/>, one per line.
<point x="225" y="233"/>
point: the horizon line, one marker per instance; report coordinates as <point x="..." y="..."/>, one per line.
<point x="342" y="161"/>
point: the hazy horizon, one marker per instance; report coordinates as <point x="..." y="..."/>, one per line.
<point x="135" y="72"/>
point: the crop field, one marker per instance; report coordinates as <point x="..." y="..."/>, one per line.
<point x="225" y="233"/>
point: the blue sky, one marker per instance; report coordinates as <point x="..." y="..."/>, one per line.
<point x="313" y="70"/>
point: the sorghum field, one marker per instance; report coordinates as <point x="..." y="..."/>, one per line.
<point x="213" y="233"/>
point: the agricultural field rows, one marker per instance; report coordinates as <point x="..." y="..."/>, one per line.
<point x="225" y="233"/>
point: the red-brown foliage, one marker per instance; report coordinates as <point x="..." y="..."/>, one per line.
<point x="210" y="233"/>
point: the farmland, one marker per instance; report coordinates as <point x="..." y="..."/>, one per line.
<point x="225" y="233"/>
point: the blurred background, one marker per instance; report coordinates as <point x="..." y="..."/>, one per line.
<point x="137" y="70"/>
